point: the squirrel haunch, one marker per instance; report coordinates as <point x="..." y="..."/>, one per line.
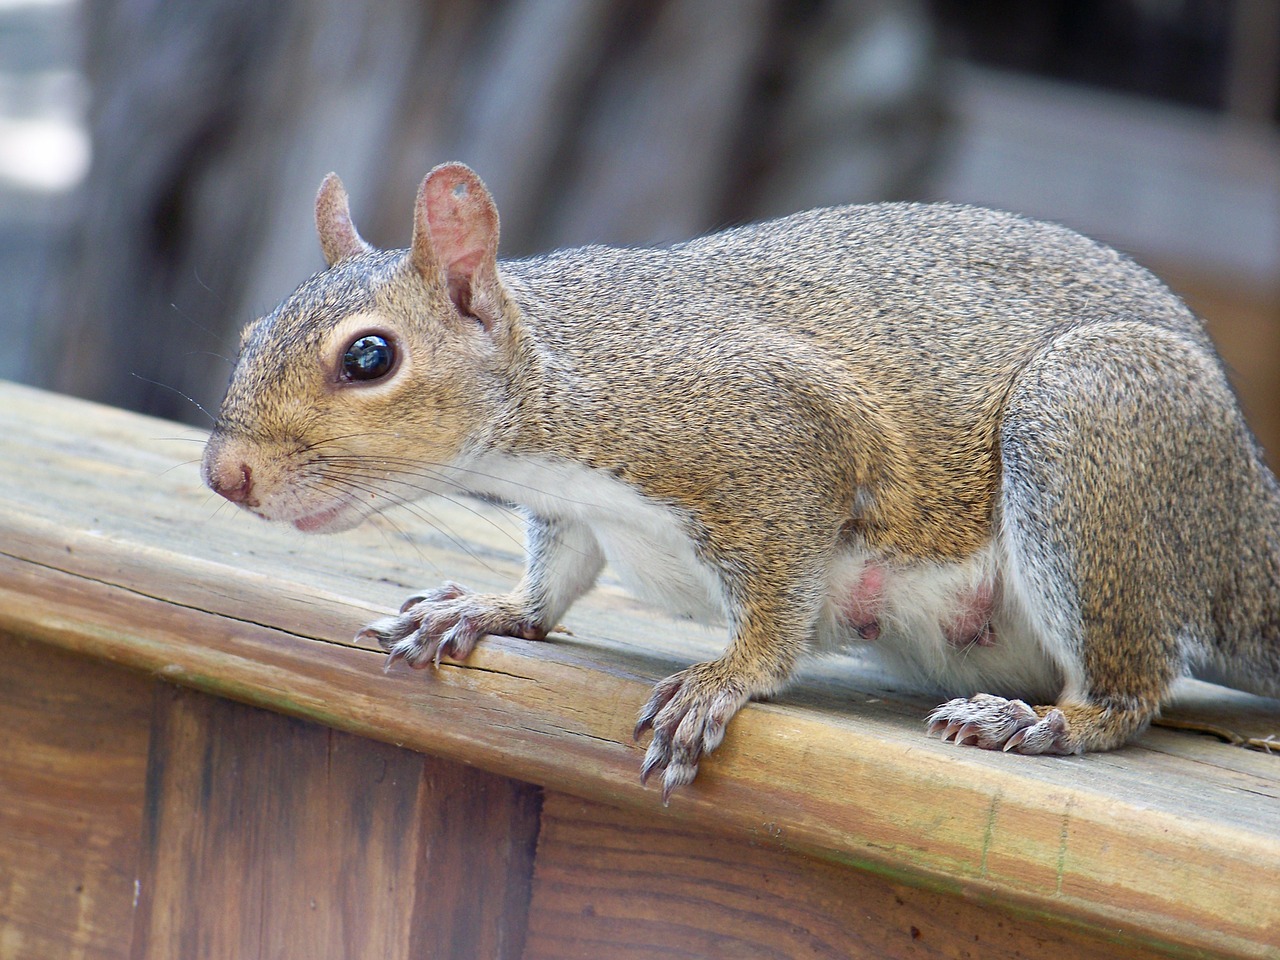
<point x="999" y="453"/>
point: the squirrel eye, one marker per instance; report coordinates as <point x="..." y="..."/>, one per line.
<point x="368" y="358"/>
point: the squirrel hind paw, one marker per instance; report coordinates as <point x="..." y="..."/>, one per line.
<point x="994" y="723"/>
<point x="1049" y="735"/>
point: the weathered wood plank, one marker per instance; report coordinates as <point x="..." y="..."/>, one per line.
<point x="477" y="834"/>
<point x="271" y="837"/>
<point x="245" y="845"/>
<point x="163" y="581"/>
<point x="73" y="750"/>
<point x="623" y="885"/>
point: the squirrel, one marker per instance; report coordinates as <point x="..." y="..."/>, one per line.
<point x="999" y="453"/>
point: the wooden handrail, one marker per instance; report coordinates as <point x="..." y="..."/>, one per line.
<point x="110" y="546"/>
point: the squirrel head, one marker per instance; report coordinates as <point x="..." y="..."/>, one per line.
<point x="376" y="375"/>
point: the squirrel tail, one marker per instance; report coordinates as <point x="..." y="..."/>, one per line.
<point x="1247" y="656"/>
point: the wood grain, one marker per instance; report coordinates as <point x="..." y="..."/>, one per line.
<point x="619" y="884"/>
<point x="478" y="834"/>
<point x="271" y="837"/>
<point x="73" y="749"/>
<point x="107" y="548"/>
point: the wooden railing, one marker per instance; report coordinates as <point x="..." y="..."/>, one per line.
<point x="197" y="761"/>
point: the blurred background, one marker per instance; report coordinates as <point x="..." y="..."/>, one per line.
<point x="158" y="158"/>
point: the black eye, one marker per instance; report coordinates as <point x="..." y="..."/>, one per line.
<point x="368" y="358"/>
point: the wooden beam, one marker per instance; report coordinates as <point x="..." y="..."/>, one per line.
<point x="624" y="885"/>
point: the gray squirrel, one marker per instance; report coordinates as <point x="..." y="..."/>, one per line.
<point x="1001" y="454"/>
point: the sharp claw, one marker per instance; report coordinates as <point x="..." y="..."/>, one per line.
<point x="654" y="759"/>
<point x="990" y="722"/>
<point x="645" y="721"/>
<point x="678" y="774"/>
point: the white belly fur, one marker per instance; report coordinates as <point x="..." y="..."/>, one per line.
<point x="643" y="541"/>
<point x="917" y="601"/>
<point x="648" y="550"/>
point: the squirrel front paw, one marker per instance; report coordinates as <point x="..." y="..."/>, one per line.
<point x="688" y="713"/>
<point x="447" y="621"/>
<point x="996" y="723"/>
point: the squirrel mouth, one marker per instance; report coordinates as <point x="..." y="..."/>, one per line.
<point x="335" y="518"/>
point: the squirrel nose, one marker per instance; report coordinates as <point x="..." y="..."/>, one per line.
<point x="233" y="481"/>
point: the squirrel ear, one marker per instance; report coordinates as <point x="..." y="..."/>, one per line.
<point x="338" y="236"/>
<point x="455" y="238"/>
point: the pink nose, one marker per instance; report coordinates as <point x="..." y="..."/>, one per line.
<point x="231" y="480"/>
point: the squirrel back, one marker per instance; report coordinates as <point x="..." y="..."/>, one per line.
<point x="907" y="322"/>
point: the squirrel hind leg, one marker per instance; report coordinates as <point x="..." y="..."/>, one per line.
<point x="1112" y="528"/>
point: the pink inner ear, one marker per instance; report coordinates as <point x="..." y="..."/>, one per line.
<point x="463" y="221"/>
<point x="459" y="244"/>
<point x="467" y="264"/>
<point x="455" y="237"/>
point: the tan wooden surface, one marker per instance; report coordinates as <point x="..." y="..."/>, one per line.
<point x="109" y="546"/>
